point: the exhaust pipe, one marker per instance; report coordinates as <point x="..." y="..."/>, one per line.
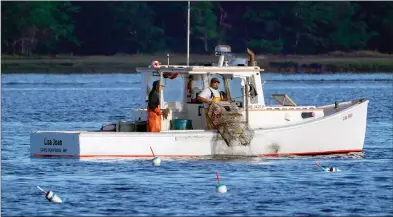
<point x="251" y="56"/>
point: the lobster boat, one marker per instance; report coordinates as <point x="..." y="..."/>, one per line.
<point x="245" y="124"/>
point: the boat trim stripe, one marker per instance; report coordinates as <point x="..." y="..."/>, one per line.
<point x="184" y="155"/>
<point x="316" y="153"/>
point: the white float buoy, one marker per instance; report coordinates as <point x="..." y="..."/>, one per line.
<point x="156" y="160"/>
<point x="220" y="188"/>
<point x="51" y="196"/>
<point x="328" y="169"/>
<point x="331" y="169"/>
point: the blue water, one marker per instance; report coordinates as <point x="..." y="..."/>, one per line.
<point x="256" y="186"/>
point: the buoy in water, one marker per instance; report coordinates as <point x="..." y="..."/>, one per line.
<point x="51" y="196"/>
<point x="156" y="160"/>
<point x="220" y="188"/>
<point x="331" y="169"/>
<point x="327" y="169"/>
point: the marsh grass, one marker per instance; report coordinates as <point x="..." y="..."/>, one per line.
<point x="359" y="61"/>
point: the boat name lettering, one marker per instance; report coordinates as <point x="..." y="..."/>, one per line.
<point x="52" y="141"/>
<point x="347" y="116"/>
<point x="50" y="150"/>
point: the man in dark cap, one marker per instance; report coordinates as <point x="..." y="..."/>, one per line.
<point x="209" y="95"/>
<point x="153" y="108"/>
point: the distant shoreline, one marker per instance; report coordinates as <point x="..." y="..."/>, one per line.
<point x="336" y="62"/>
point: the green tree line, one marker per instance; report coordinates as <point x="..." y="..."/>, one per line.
<point x="107" y="28"/>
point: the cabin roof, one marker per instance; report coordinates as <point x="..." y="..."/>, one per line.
<point x="235" y="70"/>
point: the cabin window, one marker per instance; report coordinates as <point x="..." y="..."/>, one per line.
<point x="235" y="89"/>
<point x="196" y="85"/>
<point x="174" y="89"/>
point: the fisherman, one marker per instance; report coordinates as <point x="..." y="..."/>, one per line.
<point x="154" y="110"/>
<point x="209" y="95"/>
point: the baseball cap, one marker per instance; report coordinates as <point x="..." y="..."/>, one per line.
<point x="214" y="80"/>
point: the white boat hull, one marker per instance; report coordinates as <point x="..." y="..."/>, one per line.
<point x="340" y="132"/>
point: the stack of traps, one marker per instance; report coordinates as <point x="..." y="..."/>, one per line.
<point x="229" y="120"/>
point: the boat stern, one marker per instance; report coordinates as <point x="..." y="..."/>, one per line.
<point x="54" y="144"/>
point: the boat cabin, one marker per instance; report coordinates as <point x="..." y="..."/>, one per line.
<point x="184" y="83"/>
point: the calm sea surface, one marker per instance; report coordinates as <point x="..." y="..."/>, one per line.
<point x="256" y="186"/>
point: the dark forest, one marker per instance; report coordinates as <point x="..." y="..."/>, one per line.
<point x="108" y="28"/>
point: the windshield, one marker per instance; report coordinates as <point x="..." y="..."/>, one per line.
<point x="174" y="89"/>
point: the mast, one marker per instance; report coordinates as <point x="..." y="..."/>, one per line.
<point x="188" y="34"/>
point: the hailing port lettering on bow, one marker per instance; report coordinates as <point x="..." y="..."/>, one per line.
<point x="53" y="150"/>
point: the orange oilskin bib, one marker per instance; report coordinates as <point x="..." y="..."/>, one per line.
<point x="154" y="119"/>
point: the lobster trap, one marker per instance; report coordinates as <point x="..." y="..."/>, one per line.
<point x="228" y="119"/>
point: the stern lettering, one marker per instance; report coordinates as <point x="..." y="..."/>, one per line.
<point x="53" y="141"/>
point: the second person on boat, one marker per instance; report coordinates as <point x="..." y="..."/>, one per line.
<point x="154" y="109"/>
